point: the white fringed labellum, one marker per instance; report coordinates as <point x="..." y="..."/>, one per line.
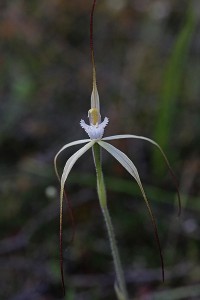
<point x="96" y="128"/>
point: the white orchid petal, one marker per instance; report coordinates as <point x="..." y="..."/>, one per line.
<point x="65" y="147"/>
<point x="129" y="136"/>
<point x="71" y="161"/>
<point x="72" y="144"/>
<point x="126" y="163"/>
<point x="122" y="158"/>
<point x="68" y="166"/>
<point x="130" y="167"/>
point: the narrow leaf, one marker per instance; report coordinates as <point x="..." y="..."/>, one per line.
<point x="68" y="205"/>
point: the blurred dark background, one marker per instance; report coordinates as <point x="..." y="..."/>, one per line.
<point x="148" y="68"/>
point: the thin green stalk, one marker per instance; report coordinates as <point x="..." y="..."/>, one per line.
<point x="120" y="287"/>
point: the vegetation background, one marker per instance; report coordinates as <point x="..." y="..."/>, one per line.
<point x="148" y="68"/>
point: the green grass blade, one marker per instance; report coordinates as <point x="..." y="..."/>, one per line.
<point x="171" y="89"/>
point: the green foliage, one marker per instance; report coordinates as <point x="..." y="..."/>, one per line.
<point x="168" y="111"/>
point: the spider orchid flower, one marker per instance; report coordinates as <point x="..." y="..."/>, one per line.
<point x="95" y="131"/>
<point x="96" y="141"/>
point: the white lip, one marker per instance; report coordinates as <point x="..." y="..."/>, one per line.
<point x="95" y="132"/>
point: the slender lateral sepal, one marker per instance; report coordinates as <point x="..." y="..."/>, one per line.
<point x="70" y="163"/>
<point x="65" y="147"/>
<point x="68" y="205"/>
<point x="131" y="136"/>
<point x="130" y="167"/>
<point x="68" y="166"/>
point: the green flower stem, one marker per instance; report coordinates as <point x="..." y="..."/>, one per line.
<point x="121" y="286"/>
